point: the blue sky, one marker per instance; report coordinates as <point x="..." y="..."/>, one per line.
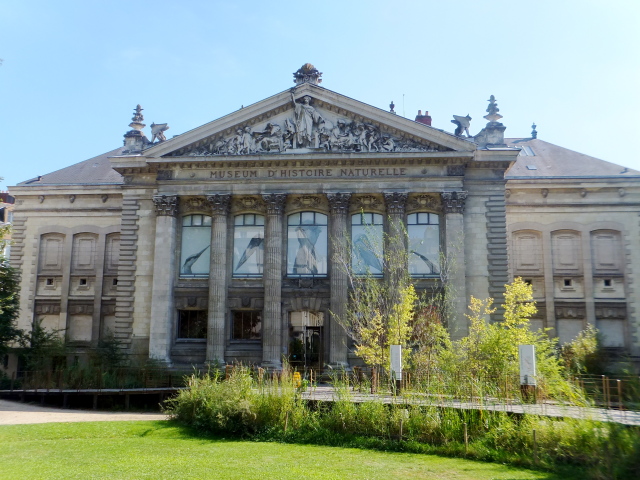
<point x="73" y="71"/>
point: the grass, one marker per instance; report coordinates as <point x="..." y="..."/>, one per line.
<point x="162" y="449"/>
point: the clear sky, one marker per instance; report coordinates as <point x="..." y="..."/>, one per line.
<point x="73" y="71"/>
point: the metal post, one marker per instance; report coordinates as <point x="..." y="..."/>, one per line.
<point x="466" y="439"/>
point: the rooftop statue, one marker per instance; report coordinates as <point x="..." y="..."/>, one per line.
<point x="462" y="123"/>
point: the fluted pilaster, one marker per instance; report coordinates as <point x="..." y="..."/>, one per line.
<point x="272" y="313"/>
<point x="162" y="305"/>
<point x="216" y="340"/>
<point x="339" y="204"/>
<point x="453" y="204"/>
<point x="396" y="242"/>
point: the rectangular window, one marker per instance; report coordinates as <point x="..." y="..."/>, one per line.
<point x="192" y="324"/>
<point x="423" y="230"/>
<point x="247" y="325"/>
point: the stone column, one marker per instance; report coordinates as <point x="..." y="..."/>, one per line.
<point x="162" y="304"/>
<point x="453" y="207"/>
<point x="339" y="203"/>
<point x="272" y="313"/>
<point x="217" y="317"/>
<point x="395" y="248"/>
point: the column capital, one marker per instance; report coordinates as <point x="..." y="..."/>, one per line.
<point x="396" y="202"/>
<point x="453" y="202"/>
<point x="219" y="203"/>
<point x="339" y="202"/>
<point x="166" y="205"/>
<point x="275" y="202"/>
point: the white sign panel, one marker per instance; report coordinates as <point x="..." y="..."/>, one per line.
<point x="527" y="355"/>
<point x="396" y="361"/>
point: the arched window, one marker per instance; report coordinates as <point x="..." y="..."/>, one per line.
<point x="423" y="230"/>
<point x="248" y="245"/>
<point x="307" y="244"/>
<point x="367" y="243"/>
<point x="196" y="240"/>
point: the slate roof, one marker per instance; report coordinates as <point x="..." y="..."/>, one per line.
<point x="95" y="171"/>
<point x="540" y="159"/>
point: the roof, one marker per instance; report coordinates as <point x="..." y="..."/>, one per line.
<point x="540" y="159"/>
<point x="95" y="171"/>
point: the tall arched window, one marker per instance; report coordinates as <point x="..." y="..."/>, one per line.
<point x="196" y="241"/>
<point x="307" y="244"/>
<point x="367" y="243"/>
<point x="248" y="245"/>
<point x="423" y="230"/>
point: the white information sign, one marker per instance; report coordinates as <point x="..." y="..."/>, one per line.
<point x="396" y="361"/>
<point x="527" y="355"/>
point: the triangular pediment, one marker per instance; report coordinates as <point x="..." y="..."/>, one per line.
<point x="324" y="122"/>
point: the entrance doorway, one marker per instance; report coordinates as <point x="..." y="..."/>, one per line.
<point x="306" y="342"/>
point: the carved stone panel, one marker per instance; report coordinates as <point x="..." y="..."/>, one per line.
<point x="455" y="170"/>
<point x="307" y="125"/>
<point x="219" y="203"/>
<point x="453" y="202"/>
<point x="339" y="203"/>
<point x="164" y="175"/>
<point x="249" y="203"/>
<point x="307" y="201"/>
<point x="424" y="201"/>
<point x="366" y="203"/>
<point x="275" y="202"/>
<point x="166" y="204"/>
<point x="47" y="308"/>
<point x="396" y="202"/>
<point x="194" y="204"/>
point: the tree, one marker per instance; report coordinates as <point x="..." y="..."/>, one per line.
<point x="380" y="311"/>
<point x="490" y="352"/>
<point x="9" y="300"/>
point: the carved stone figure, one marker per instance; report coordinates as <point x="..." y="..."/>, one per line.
<point x="462" y="124"/>
<point x="157" y="130"/>
<point x="310" y="129"/>
<point x="270" y="139"/>
<point x="306" y="116"/>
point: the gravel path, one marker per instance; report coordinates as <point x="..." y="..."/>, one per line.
<point x="15" y="413"/>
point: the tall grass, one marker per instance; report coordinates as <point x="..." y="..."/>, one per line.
<point x="272" y="409"/>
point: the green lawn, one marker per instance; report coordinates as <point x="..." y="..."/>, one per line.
<point x="160" y="449"/>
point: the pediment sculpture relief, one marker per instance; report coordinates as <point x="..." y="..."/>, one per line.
<point x="307" y="129"/>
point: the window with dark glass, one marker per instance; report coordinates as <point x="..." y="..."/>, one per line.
<point x="192" y="324"/>
<point x="246" y="325"/>
<point x="307" y="244"/>
<point x="196" y="241"/>
<point x="366" y="243"/>
<point x="423" y="230"/>
<point x="248" y="245"/>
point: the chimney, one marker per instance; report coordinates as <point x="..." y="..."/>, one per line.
<point x="425" y="119"/>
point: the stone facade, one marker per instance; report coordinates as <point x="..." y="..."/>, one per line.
<point x="222" y="244"/>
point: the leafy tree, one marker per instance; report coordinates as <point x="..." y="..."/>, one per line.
<point x="583" y="354"/>
<point x="490" y="351"/>
<point x="380" y="310"/>
<point x="9" y="299"/>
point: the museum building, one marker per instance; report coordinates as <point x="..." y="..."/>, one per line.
<point x="231" y="242"/>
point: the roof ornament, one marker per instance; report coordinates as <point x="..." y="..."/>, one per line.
<point x="492" y="135"/>
<point x="462" y="125"/>
<point x="493" y="115"/>
<point x="135" y="139"/>
<point x="534" y="132"/>
<point x="307" y="74"/>
<point x="392" y="107"/>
